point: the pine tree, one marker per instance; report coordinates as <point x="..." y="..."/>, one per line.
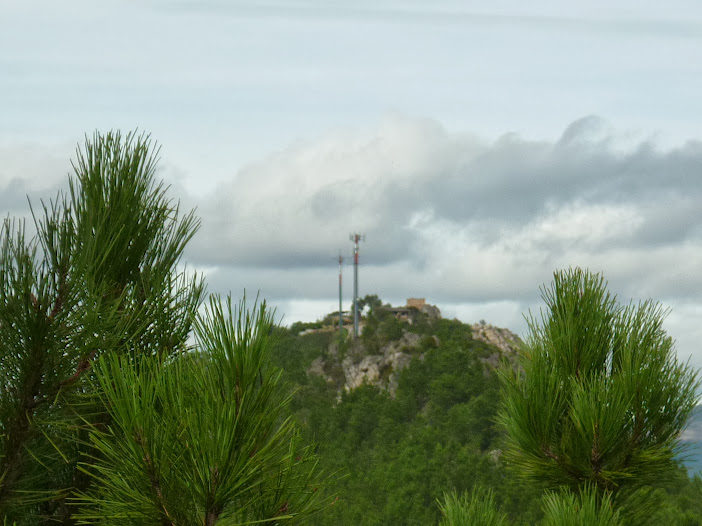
<point x="98" y="295"/>
<point x="600" y="399"/>
<point x="478" y="510"/>
<point x="588" y="508"/>
<point x="593" y="412"/>
<point x="201" y="438"/>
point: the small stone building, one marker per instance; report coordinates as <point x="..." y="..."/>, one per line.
<point x="420" y="304"/>
<point x="417" y="303"/>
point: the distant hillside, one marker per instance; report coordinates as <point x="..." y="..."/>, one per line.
<point x="407" y="412"/>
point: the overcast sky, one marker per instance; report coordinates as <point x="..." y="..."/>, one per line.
<point x="479" y="145"/>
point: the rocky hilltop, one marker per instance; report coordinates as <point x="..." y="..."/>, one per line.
<point x="391" y="338"/>
<point x="505" y="340"/>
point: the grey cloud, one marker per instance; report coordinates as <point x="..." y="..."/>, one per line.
<point x="29" y="173"/>
<point x="13" y="198"/>
<point x="461" y="220"/>
<point x="445" y="214"/>
<point x="672" y="218"/>
<point x="448" y="216"/>
<point x="296" y="209"/>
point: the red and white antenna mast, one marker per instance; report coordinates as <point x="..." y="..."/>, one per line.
<point x="341" y="321"/>
<point x="356" y="238"/>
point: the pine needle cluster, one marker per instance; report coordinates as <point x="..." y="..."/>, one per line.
<point x="600" y="398"/>
<point x="599" y="401"/>
<point x="108" y="414"/>
<point x="594" y="411"/>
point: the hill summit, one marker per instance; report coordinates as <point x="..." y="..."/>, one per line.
<point x="389" y="340"/>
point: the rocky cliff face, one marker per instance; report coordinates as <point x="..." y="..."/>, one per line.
<point x="382" y="369"/>
<point x="504" y="339"/>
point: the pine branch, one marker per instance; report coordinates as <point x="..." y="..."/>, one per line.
<point x="83" y="366"/>
<point x="214" y="511"/>
<point x="154" y="480"/>
<point x="20" y="428"/>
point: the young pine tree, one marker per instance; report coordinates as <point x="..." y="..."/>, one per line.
<point x="95" y="314"/>
<point x="203" y="438"/>
<point x="594" y="412"/>
<point x="477" y="510"/>
<point x="100" y="273"/>
<point x="600" y="399"/>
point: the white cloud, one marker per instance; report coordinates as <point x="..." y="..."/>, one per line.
<point x="464" y="215"/>
<point x="29" y="171"/>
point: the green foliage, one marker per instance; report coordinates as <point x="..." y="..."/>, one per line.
<point x="478" y="510"/>
<point x="105" y="413"/>
<point x="400" y="454"/>
<point x="299" y="326"/>
<point x="99" y="277"/>
<point x="588" y="508"/>
<point x="294" y="354"/>
<point x="201" y="437"/>
<point x="684" y="500"/>
<point x="453" y="331"/>
<point x="438" y="435"/>
<point x="108" y="416"/>
<point x="373" y="302"/>
<point x="380" y="328"/>
<point x="428" y="342"/>
<point x="601" y="399"/>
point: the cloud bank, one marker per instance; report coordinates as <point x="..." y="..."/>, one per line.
<point x="460" y="218"/>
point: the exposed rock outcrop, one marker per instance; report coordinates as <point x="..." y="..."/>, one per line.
<point x="504" y="339"/>
<point x="432" y="311"/>
<point x="380" y="370"/>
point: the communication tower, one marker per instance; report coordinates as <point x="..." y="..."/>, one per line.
<point x="356" y="238"/>
<point x="341" y="321"/>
